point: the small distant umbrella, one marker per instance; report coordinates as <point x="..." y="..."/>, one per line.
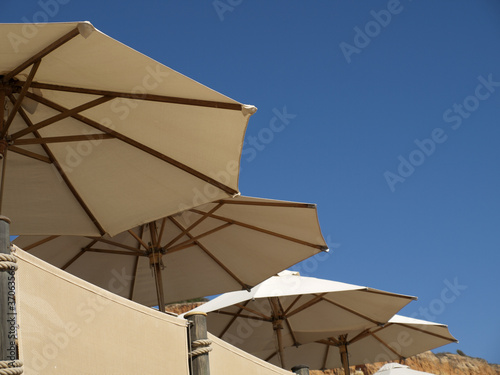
<point x="274" y="315"/>
<point x="400" y="338"/>
<point x="398" y="369"/>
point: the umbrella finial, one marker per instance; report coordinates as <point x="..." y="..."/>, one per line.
<point x="85" y="29"/>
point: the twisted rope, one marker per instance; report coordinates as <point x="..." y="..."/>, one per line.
<point x="8" y="263"/>
<point x="202" y="347"/>
<point x="11" y="367"/>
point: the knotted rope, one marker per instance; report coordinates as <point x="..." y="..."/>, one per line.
<point x="11" y="367"/>
<point x="8" y="262"/>
<point x="201" y="346"/>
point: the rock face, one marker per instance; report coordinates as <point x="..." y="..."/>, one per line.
<point x="181" y="308"/>
<point x="438" y="364"/>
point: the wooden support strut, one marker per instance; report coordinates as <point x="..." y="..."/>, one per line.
<point x="198" y="343"/>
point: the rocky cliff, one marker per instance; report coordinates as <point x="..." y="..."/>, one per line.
<point x="439" y="364"/>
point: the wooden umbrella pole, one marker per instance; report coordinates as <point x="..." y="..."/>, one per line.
<point x="277" y="327"/>
<point x="344" y="358"/>
<point x="159" y="284"/>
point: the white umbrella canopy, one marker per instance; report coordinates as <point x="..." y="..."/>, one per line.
<point x="230" y="244"/>
<point x="97" y="137"/>
<point x="400" y="338"/>
<point x="398" y="369"/>
<point x="290" y="309"/>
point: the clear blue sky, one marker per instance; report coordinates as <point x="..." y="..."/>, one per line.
<point x="388" y="119"/>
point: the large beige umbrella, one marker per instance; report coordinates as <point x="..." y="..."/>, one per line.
<point x="96" y="137"/>
<point x="400" y="338"/>
<point x="275" y="314"/>
<point x="230" y="244"/>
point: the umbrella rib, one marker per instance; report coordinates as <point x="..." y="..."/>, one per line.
<point x="253" y="227"/>
<point x="82" y="251"/>
<point x="269" y="204"/>
<point x="184" y="231"/>
<point x="427" y="332"/>
<point x="293" y="303"/>
<point x="289" y="325"/>
<point x="145" y="96"/>
<point x="331" y="341"/>
<point x="118" y="244"/>
<point x="139" y="239"/>
<point x="136" y="144"/>
<point x="363" y="334"/>
<point x="38" y="243"/>
<point x="20" y="98"/>
<point x="193" y="240"/>
<point x="153" y="234"/>
<point x="271" y="356"/>
<point x="72" y="260"/>
<point x="65" y="139"/>
<point x="61" y="172"/>
<point x="292" y="333"/>
<point x="387" y="346"/>
<point x="30" y="154"/>
<point x="314" y="301"/>
<point x="351" y="311"/>
<point x="136" y="267"/>
<point x="132" y="284"/>
<point x="108" y="251"/>
<point x="243" y="316"/>
<point x="369" y="290"/>
<point x="325" y="358"/>
<point x="213" y="257"/>
<point x="243" y="307"/>
<point x="44" y="52"/>
<point x="61" y="116"/>
<point x="233" y="319"/>
<point x="160" y="235"/>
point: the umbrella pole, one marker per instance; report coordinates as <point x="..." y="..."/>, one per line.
<point x="277" y="327"/>
<point x="159" y="286"/>
<point x="344" y="358"/>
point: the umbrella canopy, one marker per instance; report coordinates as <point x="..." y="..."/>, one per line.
<point x="96" y="137"/>
<point x="230" y="244"/>
<point x="400" y="338"/>
<point x="398" y="369"/>
<point x="290" y="309"/>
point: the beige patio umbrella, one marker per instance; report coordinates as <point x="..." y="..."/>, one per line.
<point x="400" y="338"/>
<point x="230" y="244"/>
<point x="271" y="316"/>
<point x="96" y="137"/>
